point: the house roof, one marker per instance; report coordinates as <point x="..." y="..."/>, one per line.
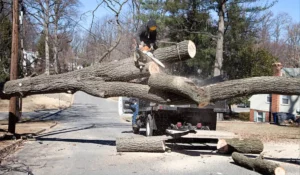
<point x="291" y="72"/>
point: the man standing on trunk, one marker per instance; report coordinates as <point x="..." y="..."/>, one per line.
<point x="145" y="39"/>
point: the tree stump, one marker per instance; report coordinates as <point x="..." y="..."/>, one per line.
<point x="228" y="146"/>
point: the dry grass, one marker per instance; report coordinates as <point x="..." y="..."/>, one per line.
<point x="39" y="102"/>
<point x="263" y="131"/>
<point x="29" y="127"/>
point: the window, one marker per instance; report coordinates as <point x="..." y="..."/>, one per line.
<point x="269" y="98"/>
<point x="260" y="117"/>
<point x="285" y="99"/>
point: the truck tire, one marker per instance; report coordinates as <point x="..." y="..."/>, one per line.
<point x="149" y="126"/>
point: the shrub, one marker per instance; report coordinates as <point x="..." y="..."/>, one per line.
<point x="244" y="116"/>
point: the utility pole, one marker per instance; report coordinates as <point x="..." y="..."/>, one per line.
<point x="14" y="67"/>
<point x="22" y="31"/>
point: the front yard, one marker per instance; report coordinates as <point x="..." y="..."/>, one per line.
<point x="263" y="131"/>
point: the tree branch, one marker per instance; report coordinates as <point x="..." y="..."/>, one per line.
<point x="225" y="90"/>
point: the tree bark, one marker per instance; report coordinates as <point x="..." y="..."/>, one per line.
<point x="228" y="146"/>
<point x="258" y="164"/>
<point x="140" y="144"/>
<point x="219" y="49"/>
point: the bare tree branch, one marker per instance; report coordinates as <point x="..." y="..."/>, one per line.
<point x="117" y="13"/>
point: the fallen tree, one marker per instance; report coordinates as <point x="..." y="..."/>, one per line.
<point x="115" y="79"/>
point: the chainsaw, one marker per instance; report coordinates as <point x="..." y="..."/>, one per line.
<point x="147" y="51"/>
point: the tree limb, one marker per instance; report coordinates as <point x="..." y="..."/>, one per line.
<point x="225" y="90"/>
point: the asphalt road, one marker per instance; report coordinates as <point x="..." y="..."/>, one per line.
<point x="84" y="143"/>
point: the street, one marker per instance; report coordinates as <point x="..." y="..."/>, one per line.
<point x="84" y="143"/>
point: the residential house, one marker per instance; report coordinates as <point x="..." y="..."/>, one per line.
<point x="263" y="105"/>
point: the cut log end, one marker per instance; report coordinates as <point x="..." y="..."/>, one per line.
<point x="191" y="49"/>
<point x="203" y="104"/>
<point x="222" y="146"/>
<point x="279" y="171"/>
<point x="153" y="68"/>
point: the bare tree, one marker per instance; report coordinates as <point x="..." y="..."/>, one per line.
<point x="265" y="29"/>
<point x="40" y="11"/>
<point x="116" y="7"/>
<point x="281" y="22"/>
<point x="63" y="12"/>
<point x="293" y="44"/>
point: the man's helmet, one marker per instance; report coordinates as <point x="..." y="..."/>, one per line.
<point x="151" y="25"/>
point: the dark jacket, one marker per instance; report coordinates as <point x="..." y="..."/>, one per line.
<point x="143" y="34"/>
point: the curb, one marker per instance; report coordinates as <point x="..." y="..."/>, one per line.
<point x="10" y="148"/>
<point x="13" y="146"/>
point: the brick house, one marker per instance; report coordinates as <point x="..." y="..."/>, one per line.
<point x="263" y="105"/>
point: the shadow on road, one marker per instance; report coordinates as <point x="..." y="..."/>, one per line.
<point x="284" y="160"/>
<point x="198" y="153"/>
<point x="100" y="142"/>
<point x="65" y="131"/>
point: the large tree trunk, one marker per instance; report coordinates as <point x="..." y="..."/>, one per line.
<point x="258" y="164"/>
<point x="140" y="144"/>
<point x="228" y="146"/>
<point x="219" y="49"/>
<point x="46" y="30"/>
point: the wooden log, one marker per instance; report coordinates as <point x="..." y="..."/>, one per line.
<point x="228" y="146"/>
<point x="140" y="144"/>
<point x="179" y="52"/>
<point x="258" y="164"/>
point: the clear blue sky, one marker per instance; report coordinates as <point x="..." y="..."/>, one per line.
<point x="292" y="7"/>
